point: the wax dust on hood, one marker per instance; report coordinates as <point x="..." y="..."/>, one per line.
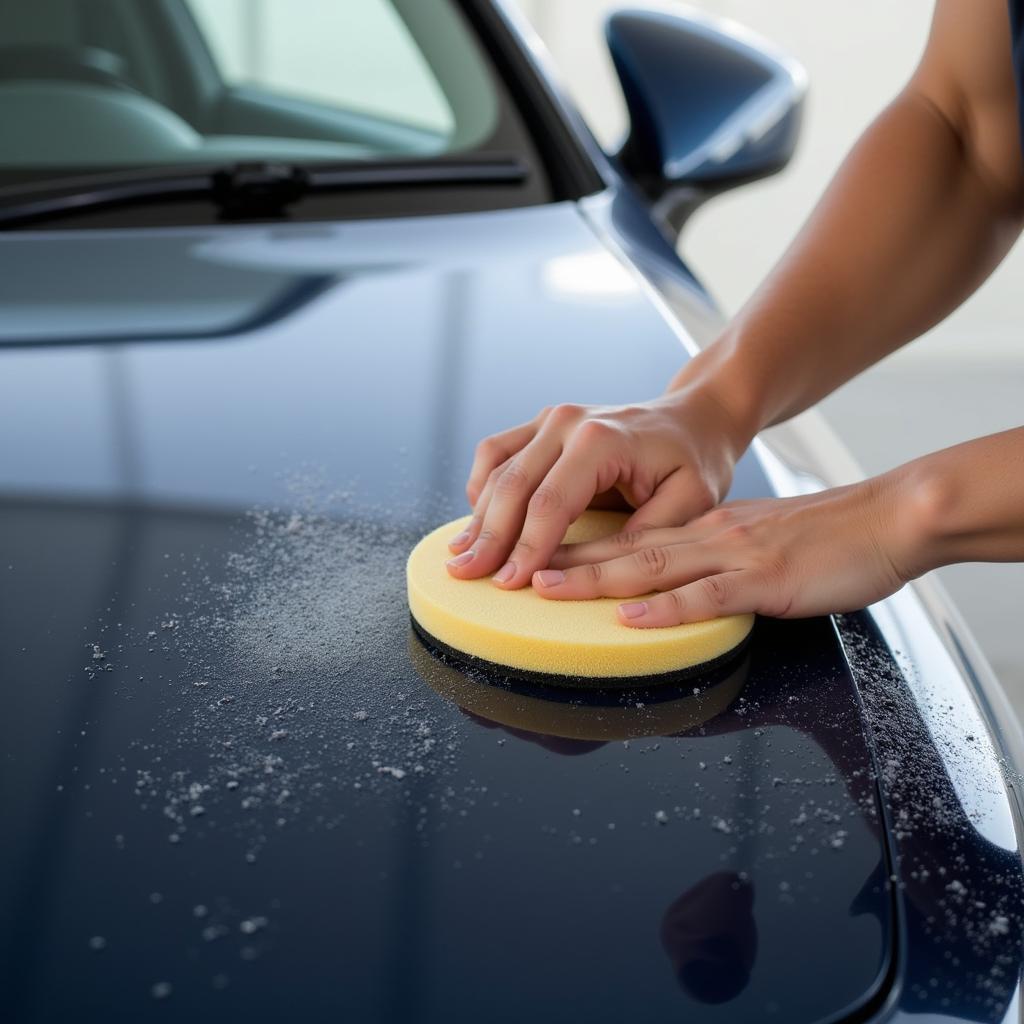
<point x="293" y="684"/>
<point x="964" y="894"/>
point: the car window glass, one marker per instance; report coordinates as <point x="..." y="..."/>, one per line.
<point x="94" y="84"/>
<point x="355" y="55"/>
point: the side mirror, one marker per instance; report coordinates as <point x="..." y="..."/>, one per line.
<point x="711" y="105"/>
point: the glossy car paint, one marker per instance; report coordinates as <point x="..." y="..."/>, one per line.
<point x="458" y="303"/>
<point x="369" y="357"/>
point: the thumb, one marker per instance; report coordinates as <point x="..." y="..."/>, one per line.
<point x="680" y="497"/>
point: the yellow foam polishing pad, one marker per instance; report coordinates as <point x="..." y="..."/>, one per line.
<point x="519" y="630"/>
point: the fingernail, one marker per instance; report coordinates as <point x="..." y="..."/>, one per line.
<point x="549" y="577"/>
<point x="466" y="556"/>
<point x="505" y="573"/>
<point x="459" y="540"/>
<point x="633" y="609"/>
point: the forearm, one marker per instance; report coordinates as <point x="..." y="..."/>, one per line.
<point x="962" y="504"/>
<point x="908" y="229"/>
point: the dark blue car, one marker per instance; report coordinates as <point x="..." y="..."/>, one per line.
<point x="268" y="270"/>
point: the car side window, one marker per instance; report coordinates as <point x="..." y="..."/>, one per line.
<point x="357" y="56"/>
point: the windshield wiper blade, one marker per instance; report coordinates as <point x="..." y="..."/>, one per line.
<point x="246" y="190"/>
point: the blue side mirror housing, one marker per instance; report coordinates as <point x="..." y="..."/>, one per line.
<point x="711" y="105"/>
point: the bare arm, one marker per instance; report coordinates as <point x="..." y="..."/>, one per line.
<point x="925" y="206"/>
<point x="923" y="209"/>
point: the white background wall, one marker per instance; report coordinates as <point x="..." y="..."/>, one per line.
<point x="964" y="379"/>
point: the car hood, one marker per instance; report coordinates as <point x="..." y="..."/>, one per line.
<point x="235" y="782"/>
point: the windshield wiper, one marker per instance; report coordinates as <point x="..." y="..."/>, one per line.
<point x="245" y="191"/>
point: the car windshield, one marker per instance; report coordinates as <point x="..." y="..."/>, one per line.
<point x="93" y="85"/>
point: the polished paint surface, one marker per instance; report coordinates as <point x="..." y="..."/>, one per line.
<point x="233" y="788"/>
<point x="466" y="890"/>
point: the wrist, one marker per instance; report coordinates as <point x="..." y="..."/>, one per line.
<point x="713" y="379"/>
<point x="918" y="502"/>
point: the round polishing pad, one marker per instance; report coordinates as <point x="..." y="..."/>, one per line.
<point x="576" y="640"/>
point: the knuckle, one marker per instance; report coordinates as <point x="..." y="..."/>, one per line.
<point x="487" y="447"/>
<point x="596" y="431"/>
<point x="628" y="540"/>
<point x="720" y="518"/>
<point x="486" y="536"/>
<point x="675" y="604"/>
<point x="524" y="546"/>
<point x="546" y="499"/>
<point x="512" y="480"/>
<point x="564" y="414"/>
<point x="716" y="591"/>
<point x="652" y="562"/>
<point x="737" y="533"/>
<point x="593" y="572"/>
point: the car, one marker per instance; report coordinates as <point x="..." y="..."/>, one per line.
<point x="269" y="272"/>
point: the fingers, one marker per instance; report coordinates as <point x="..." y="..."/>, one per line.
<point x="629" y="541"/>
<point x="728" y="593"/>
<point x="554" y="505"/>
<point x="653" y="567"/>
<point x="459" y="543"/>
<point x="502" y="508"/>
<point x="564" y="493"/>
<point x="492" y="458"/>
<point x="680" y="497"/>
<point x="493" y="451"/>
<point x="618" y="544"/>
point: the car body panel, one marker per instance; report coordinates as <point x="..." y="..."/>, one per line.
<point x="423" y="866"/>
<point x="231" y="770"/>
<point x="326" y="292"/>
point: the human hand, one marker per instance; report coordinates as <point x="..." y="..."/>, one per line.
<point x="834" y="551"/>
<point x="668" y="459"/>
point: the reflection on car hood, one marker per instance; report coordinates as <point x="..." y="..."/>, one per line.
<point x="373" y="350"/>
<point x="242" y="786"/>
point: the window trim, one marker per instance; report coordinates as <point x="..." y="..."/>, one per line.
<point x="568" y="161"/>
